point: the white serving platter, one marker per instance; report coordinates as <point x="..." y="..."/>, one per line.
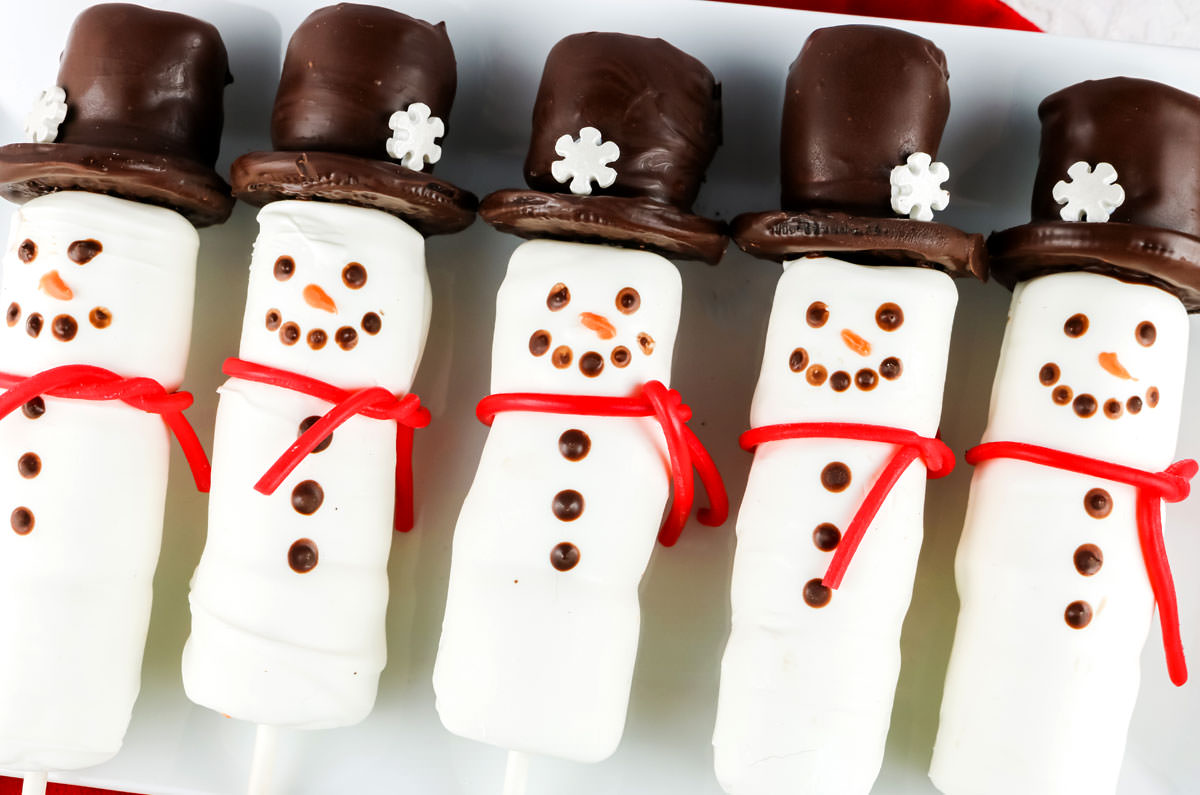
<point x="997" y="80"/>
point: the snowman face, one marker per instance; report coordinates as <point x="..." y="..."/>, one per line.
<point x="581" y="319"/>
<point x="93" y="279"/>
<point x="1092" y="364"/>
<point x="337" y="293"/>
<point x="856" y="343"/>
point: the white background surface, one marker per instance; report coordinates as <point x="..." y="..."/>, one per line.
<point x="997" y="79"/>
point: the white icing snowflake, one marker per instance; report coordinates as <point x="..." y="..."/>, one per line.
<point x="414" y="136"/>
<point x="916" y="187"/>
<point x="49" y="110"/>
<point x="1091" y="195"/>
<point x="585" y="161"/>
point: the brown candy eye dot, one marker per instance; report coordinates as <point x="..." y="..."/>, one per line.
<point x="289" y="333"/>
<point x="1146" y="333"/>
<point x="559" y="297"/>
<point x="889" y="316"/>
<point x="302" y="556"/>
<point x="816" y="594"/>
<point x="798" y="361"/>
<point x="22" y="521"/>
<point x="64" y="327"/>
<point x="1098" y="503"/>
<point x="1084" y="405"/>
<point x="33" y="324"/>
<point x="564" y="556"/>
<point x="816" y="375"/>
<point x="101" y="317"/>
<point x="285" y="266"/>
<point x="273" y="319"/>
<point x="826" y="537"/>
<point x="591" y="364"/>
<point x="317" y="339"/>
<point x="307" y="497"/>
<point x="1113" y="408"/>
<point x="1152" y="396"/>
<point x="27" y="251"/>
<point x="307" y="423"/>
<point x="865" y="379"/>
<point x="346" y="338"/>
<point x="1076" y="325"/>
<point x="646" y="343"/>
<point x="371" y="323"/>
<point x="354" y="275"/>
<point x="621" y="356"/>
<point x="1062" y="395"/>
<point x="835" y="476"/>
<point x="81" y="252"/>
<point x="1049" y="374"/>
<point x="539" y="342"/>
<point x="561" y="358"/>
<point x="14" y="314"/>
<point x="840" y="381"/>
<point x="628" y="300"/>
<point x="817" y="314"/>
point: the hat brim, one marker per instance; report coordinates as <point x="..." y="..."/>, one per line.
<point x="617" y="220"/>
<point x="431" y="205"/>
<point x="1151" y="255"/>
<point x="194" y="191"/>
<point x="781" y="234"/>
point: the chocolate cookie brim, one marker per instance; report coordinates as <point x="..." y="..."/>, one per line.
<point x="1131" y="252"/>
<point x="614" y="220"/>
<point x="781" y="234"/>
<point x="195" y="192"/>
<point x="432" y="206"/>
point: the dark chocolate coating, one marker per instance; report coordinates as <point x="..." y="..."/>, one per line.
<point x="860" y="99"/>
<point x="348" y="68"/>
<point x="660" y="105"/>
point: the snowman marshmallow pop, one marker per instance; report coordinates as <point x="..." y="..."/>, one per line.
<point x="586" y="439"/>
<point x="97" y="282"/>
<point x="1061" y="561"/>
<point x="844" y="416"/>
<point x="312" y="450"/>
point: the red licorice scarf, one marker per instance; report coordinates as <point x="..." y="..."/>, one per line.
<point x="936" y="456"/>
<point x="667" y="407"/>
<point x="374" y="402"/>
<point x="85" y="382"/>
<point x="1171" y="485"/>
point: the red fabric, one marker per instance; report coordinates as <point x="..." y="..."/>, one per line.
<point x="84" y="382"/>
<point x="981" y="13"/>
<point x="936" y="456"/>
<point x="1172" y="485"/>
<point x="12" y="786"/>
<point x="374" y="402"/>
<point x="666" y="406"/>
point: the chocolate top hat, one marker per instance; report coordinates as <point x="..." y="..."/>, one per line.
<point x="364" y="95"/>
<point x="1139" y="145"/>
<point x="640" y="119"/>
<point x="861" y="100"/>
<point x="142" y="111"/>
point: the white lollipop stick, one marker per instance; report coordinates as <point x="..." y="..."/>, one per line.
<point x="34" y="784"/>
<point x="516" y="773"/>
<point x="262" y="765"/>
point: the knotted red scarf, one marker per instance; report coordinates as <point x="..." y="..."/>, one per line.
<point x="684" y="449"/>
<point x="1171" y="485"/>
<point x="86" y="382"/>
<point x="374" y="402"/>
<point x="937" y="457"/>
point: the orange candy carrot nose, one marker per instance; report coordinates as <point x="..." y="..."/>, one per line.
<point x="1112" y="364"/>
<point x="599" y="324"/>
<point x="52" y="285"/>
<point x="317" y="298"/>
<point x="856" y="343"/>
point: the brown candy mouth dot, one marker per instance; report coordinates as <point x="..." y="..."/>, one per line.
<point x="646" y="343"/>
<point x="29" y="465"/>
<point x="564" y="556"/>
<point x="1152" y="396"/>
<point x="27" y="251"/>
<point x="14" y="314"/>
<point x="289" y="333"/>
<point x="816" y="375"/>
<point x="621" y="356"/>
<point x="890" y="368"/>
<point x="372" y="323"/>
<point x="591" y="364"/>
<point x="273" y="319"/>
<point x="817" y="314"/>
<point x="307" y="423"/>
<point x="307" y="497"/>
<point x="1088" y="559"/>
<point x="1133" y="405"/>
<point x="64" y="328"/>
<point x="561" y="358"/>
<point x="285" y="266"/>
<point x="34" y="408"/>
<point x="33" y="324"/>
<point x="826" y="537"/>
<point x="21" y="520"/>
<point x="539" y="342"/>
<point x="346" y="338"/>
<point x="100" y="317"/>
<point x="889" y="316"/>
<point x="574" y="444"/>
<point x="1049" y="374"/>
<point x="839" y="381"/>
<point x="816" y="594"/>
<point x="558" y="298"/>
<point x="302" y="555"/>
<point x="835" y="476"/>
<point x="1113" y="408"/>
<point x="317" y="339"/>
<point x="1098" y="503"/>
<point x="798" y="360"/>
<point x="1062" y="395"/>
<point x="865" y="379"/>
<point x="1084" y="405"/>
<point x="567" y="505"/>
<point x="1078" y="614"/>
<point x="81" y="252"/>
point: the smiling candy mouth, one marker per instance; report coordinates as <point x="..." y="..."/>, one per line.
<point x="346" y="337"/>
<point x="63" y="326"/>
<point x="866" y="379"/>
<point x="1085" y="405"/>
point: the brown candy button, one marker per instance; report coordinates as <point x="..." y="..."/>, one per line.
<point x="33" y="324"/>
<point x="539" y="342"/>
<point x="1098" y="503"/>
<point x="14" y="314"/>
<point x="372" y="323"/>
<point x="1078" y="614"/>
<point x="816" y="594"/>
<point x="22" y="521"/>
<point x="307" y="497"/>
<point x="307" y="423"/>
<point x="564" y="556"/>
<point x="574" y="444"/>
<point x="835" y="476"/>
<point x="302" y="555"/>
<point x="34" y="408"/>
<point x="826" y="537"/>
<point x="890" y="368"/>
<point x="1085" y="405"/>
<point x="1062" y="395"/>
<point x="1049" y="374"/>
<point x="567" y="505"/>
<point x="1152" y="396"/>
<point x="1088" y="559"/>
<point x="317" y="339"/>
<point x="798" y="360"/>
<point x="840" y="381"/>
<point x="346" y="338"/>
<point x="591" y="364"/>
<point x="29" y="465"/>
<point x="1133" y="405"/>
<point x="646" y="343"/>
<point x="64" y="327"/>
<point x="1113" y="408"/>
<point x="273" y="319"/>
<point x="289" y="333"/>
<point x="620" y="356"/>
<point x="101" y="317"/>
<point x="816" y="375"/>
<point x="865" y="379"/>
<point x="561" y="358"/>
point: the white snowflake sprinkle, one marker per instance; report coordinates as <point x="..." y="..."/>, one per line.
<point x="916" y="187"/>
<point x="585" y="161"/>
<point x="414" y="136"/>
<point x="1091" y="195"/>
<point x="49" y="111"/>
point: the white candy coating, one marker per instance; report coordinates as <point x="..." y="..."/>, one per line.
<point x="1030" y="703"/>
<point x="270" y="644"/>
<point x="806" y="693"/>
<point x="75" y="591"/>
<point x="533" y="658"/>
